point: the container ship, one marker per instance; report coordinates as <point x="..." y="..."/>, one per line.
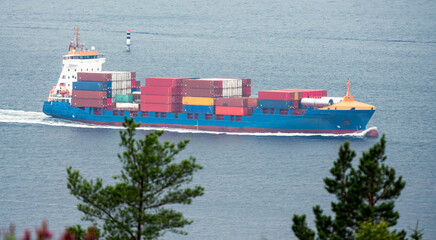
<point x="86" y="93"/>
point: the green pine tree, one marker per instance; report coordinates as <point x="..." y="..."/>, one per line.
<point x="363" y="194"/>
<point x="134" y="208"/>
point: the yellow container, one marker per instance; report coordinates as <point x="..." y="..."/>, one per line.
<point x="296" y="96"/>
<point x="201" y="101"/>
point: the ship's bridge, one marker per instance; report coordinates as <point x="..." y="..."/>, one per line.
<point x="79" y="52"/>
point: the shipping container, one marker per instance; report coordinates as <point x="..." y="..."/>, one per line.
<point x="153" y="107"/>
<point x="133" y="75"/>
<point x="252" y="102"/>
<point x="164" y="82"/>
<point x="88" y="102"/>
<point x="246" y="82"/>
<point x="203" y="92"/>
<point x="201" y="83"/>
<point x="232" y="102"/>
<point x="94" y="76"/>
<point x="127" y="106"/>
<point x="124" y="98"/>
<point x="275" y="104"/>
<point x="202" y="101"/>
<point x="89" y="94"/>
<point x="162" y="99"/>
<point x="232" y="92"/>
<point x="246" y="91"/>
<point x="198" y="109"/>
<point x="276" y="95"/>
<point x="150" y="90"/>
<point x="238" y="111"/>
<point x="90" y="86"/>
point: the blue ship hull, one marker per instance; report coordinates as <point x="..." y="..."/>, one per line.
<point x="313" y="120"/>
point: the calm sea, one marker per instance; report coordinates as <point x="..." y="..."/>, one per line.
<point x="254" y="184"/>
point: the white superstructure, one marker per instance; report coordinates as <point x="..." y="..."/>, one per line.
<point x="78" y="59"/>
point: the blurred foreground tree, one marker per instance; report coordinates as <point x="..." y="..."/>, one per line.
<point x="365" y="198"/>
<point x="133" y="208"/>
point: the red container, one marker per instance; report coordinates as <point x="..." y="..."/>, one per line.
<point x="89" y="94"/>
<point x="151" y="90"/>
<point x="232" y="102"/>
<point x="92" y="76"/>
<point x="252" y="102"/>
<point x="88" y="102"/>
<point x="246" y="82"/>
<point x="133" y="83"/>
<point x="152" y="107"/>
<point x="246" y="91"/>
<point x="276" y="95"/>
<point x="239" y="111"/>
<point x="202" y="92"/>
<point x="198" y="83"/>
<point x="109" y="102"/>
<point x="307" y="93"/>
<point x="138" y="84"/>
<point x="133" y="75"/>
<point x="161" y="99"/>
<point x="164" y="82"/>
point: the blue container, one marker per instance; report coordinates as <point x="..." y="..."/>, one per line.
<point x="90" y="86"/>
<point x="198" y="109"/>
<point x="109" y="93"/>
<point x="275" y="104"/>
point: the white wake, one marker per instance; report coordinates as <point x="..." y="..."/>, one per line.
<point x="28" y="117"/>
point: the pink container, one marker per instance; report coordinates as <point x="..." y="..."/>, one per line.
<point x="238" y="111"/>
<point x="170" y="91"/>
<point x="164" y="82"/>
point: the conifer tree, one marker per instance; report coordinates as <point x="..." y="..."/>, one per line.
<point x="150" y="180"/>
<point x="363" y="194"/>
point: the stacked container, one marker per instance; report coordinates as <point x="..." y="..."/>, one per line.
<point x="240" y="106"/>
<point x="246" y="87"/>
<point x="162" y="95"/>
<point x="91" y="90"/>
<point x="286" y="99"/>
<point x="109" y="84"/>
<point x="199" y="94"/>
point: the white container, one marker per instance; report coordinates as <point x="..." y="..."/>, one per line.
<point x="127" y="106"/>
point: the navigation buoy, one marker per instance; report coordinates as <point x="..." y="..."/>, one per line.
<point x="128" y="40"/>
